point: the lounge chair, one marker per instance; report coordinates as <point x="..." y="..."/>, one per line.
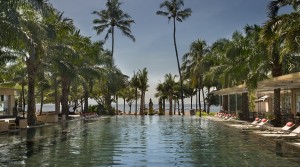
<point x="256" y="121"/>
<point x="294" y="134"/>
<point x="286" y="129"/>
<point x="252" y="126"/>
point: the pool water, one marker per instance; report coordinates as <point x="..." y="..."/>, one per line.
<point x="138" y="141"/>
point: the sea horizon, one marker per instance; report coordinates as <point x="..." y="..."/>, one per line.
<point x="187" y="107"/>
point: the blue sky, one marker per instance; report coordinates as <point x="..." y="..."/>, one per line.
<point x="153" y="49"/>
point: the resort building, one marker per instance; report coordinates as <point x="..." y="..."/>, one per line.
<point x="7" y="101"/>
<point x="234" y="100"/>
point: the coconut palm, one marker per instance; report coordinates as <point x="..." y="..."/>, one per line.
<point x="135" y="84"/>
<point x="169" y="86"/>
<point x="287" y="25"/>
<point x="173" y="11"/>
<point x="193" y="65"/>
<point x="112" y="17"/>
<point x="24" y="24"/>
<point x="143" y="86"/>
<point x="276" y="32"/>
<point x="130" y="96"/>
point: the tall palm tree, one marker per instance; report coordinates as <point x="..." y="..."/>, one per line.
<point x="112" y="17"/>
<point x="173" y="11"/>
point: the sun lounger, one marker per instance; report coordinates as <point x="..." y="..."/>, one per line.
<point x="286" y="129"/>
<point x="294" y="134"/>
<point x="256" y="121"/>
<point x="251" y="126"/>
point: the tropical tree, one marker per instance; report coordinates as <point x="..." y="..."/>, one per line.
<point x="280" y="34"/>
<point x="169" y="86"/>
<point x="130" y="97"/>
<point x="193" y="65"/>
<point x="143" y="86"/>
<point x="112" y="17"/>
<point x="135" y="84"/>
<point x="162" y="94"/>
<point x="173" y="11"/>
<point x="26" y="32"/>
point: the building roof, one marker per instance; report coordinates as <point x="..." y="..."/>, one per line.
<point x="289" y="81"/>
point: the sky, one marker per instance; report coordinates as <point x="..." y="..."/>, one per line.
<point x="210" y="20"/>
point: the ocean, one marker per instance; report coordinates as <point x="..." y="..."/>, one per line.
<point x="187" y="107"/>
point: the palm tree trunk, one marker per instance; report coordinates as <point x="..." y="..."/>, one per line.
<point x="276" y="71"/>
<point x="164" y="106"/>
<point x="23" y="99"/>
<point x="208" y="102"/>
<point x="191" y="102"/>
<point x="65" y="94"/>
<point x="56" y="96"/>
<point x="199" y="99"/>
<point x="124" y="105"/>
<point x="142" y="104"/>
<point x="174" y="106"/>
<point x="86" y="99"/>
<point x="31" y="70"/>
<point x="42" y="102"/>
<point x="112" y="41"/>
<point x="203" y="97"/>
<point x="136" y="99"/>
<point x="179" y="69"/>
<point x="178" y="107"/>
<point x="196" y="99"/>
<point x="117" y="105"/>
<point x="170" y="105"/>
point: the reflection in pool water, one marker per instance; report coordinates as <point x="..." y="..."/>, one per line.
<point x="137" y="141"/>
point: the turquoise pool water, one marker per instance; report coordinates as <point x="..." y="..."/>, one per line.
<point x="138" y="141"/>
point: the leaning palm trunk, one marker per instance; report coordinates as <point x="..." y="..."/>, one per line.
<point x="178" y="65"/>
<point x="31" y="70"/>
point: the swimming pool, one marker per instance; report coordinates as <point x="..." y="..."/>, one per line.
<point x="137" y="141"/>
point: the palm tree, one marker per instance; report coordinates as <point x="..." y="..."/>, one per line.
<point x="193" y="65"/>
<point x="280" y="35"/>
<point x="135" y="84"/>
<point x="143" y="86"/>
<point x="173" y="12"/>
<point x="130" y="96"/>
<point x="169" y="86"/>
<point x="112" y="17"/>
<point x="25" y="31"/>
<point x="162" y="94"/>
